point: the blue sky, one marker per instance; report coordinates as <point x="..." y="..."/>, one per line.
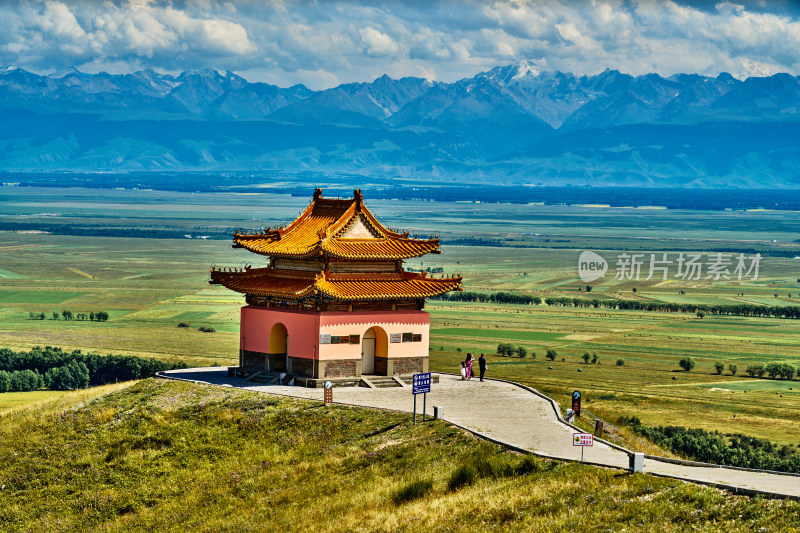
<point x="325" y="43"/>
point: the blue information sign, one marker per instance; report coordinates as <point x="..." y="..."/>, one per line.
<point x="421" y="383"/>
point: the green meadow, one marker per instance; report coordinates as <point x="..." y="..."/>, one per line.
<point x="149" y="285"/>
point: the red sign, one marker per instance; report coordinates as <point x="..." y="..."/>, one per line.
<point x="583" y="439"/>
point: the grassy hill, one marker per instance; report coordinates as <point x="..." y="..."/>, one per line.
<point x="159" y="456"/>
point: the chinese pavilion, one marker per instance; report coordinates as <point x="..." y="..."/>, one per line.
<point x="334" y="300"/>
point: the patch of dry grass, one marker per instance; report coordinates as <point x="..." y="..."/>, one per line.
<point x="164" y="456"/>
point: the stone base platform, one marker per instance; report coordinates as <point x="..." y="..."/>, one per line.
<point x="259" y="377"/>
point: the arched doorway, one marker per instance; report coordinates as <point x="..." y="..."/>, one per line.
<point x="278" y="346"/>
<point x="374" y="344"/>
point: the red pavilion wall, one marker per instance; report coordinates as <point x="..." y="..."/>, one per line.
<point x="310" y="357"/>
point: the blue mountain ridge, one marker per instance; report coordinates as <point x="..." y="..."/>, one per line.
<point x="515" y="124"/>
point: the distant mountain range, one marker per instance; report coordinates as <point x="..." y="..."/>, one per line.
<point x="511" y="125"/>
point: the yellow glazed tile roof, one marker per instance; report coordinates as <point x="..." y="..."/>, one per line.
<point x="344" y="229"/>
<point x="296" y="285"/>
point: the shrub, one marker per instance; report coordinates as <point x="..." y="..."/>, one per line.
<point x="620" y="362"/>
<point x="733" y="368"/>
<point x="522" y="352"/>
<point x="462" y="476"/>
<point x="183" y="324"/>
<point x="495" y="466"/>
<point x="412" y="491"/>
<point x="505" y="349"/>
<point x="629" y="421"/>
<point x="687" y="363"/>
<point x="99" y="316"/>
<point x="701" y="314"/>
<point x="551" y="354"/>
<point x="211" y="329"/>
<point x="586" y="356"/>
<point x="719" y="367"/>
<point x="528" y="465"/>
<point x="755" y="370"/>
<point x="595" y="359"/>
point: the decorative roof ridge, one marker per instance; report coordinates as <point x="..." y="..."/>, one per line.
<point x="342" y="223"/>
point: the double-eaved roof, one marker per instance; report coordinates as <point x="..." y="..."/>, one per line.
<point x="343" y="229"/>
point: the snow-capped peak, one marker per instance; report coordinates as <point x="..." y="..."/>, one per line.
<point x="64" y="73"/>
<point x="526" y="68"/>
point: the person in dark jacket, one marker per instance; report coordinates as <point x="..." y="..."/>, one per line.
<point x="482" y="365"/>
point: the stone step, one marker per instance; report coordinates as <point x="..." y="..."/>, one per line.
<point x="382" y="382"/>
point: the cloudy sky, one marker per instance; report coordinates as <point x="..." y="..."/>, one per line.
<point x="324" y="43"/>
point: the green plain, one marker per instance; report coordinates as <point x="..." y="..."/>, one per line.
<point x="150" y="285"/>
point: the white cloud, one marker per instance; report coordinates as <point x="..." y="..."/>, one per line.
<point x="59" y="21"/>
<point x="377" y="42"/>
<point x="321" y="43"/>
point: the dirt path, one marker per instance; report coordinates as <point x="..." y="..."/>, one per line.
<point x="512" y="415"/>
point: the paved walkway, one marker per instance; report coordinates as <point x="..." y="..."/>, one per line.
<point x="512" y="415"/>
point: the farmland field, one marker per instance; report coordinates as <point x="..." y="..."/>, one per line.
<point x="96" y="250"/>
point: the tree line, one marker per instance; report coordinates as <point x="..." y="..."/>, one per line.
<point x="490" y="297"/>
<point x="773" y="370"/>
<point x="734" y="449"/>
<point x="66" y="314"/>
<point x="743" y="309"/>
<point x="56" y="369"/>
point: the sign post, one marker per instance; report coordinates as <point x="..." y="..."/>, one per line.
<point x="576" y="403"/>
<point x="328" y="393"/>
<point x="582" y="439"/>
<point x="420" y="384"/>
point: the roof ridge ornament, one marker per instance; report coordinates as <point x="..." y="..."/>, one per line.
<point x="317" y="194"/>
<point x="358" y="198"/>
